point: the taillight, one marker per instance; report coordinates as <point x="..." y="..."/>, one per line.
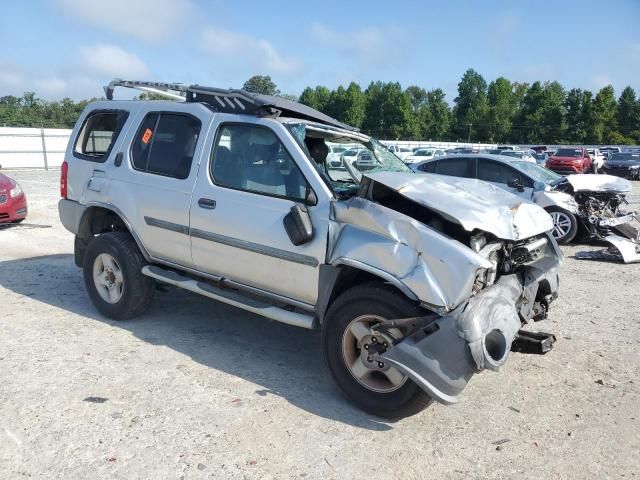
<point x="64" y="170"/>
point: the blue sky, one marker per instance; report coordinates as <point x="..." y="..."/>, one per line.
<point x="71" y="48"/>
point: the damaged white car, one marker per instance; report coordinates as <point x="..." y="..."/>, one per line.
<point x="416" y="281"/>
<point x="588" y="204"/>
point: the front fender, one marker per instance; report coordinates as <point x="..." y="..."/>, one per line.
<point x="425" y="264"/>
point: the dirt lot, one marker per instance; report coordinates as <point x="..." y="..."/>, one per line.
<point x="196" y="389"/>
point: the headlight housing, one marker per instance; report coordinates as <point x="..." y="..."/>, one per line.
<point x="15" y="191"/>
<point x="634" y="167"/>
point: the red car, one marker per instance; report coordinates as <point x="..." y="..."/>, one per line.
<point x="13" y="201"/>
<point x="570" y="160"/>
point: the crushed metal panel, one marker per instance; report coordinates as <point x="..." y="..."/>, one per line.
<point x="438" y="270"/>
<point x="473" y="204"/>
<point x="598" y="183"/>
<point x="623" y="250"/>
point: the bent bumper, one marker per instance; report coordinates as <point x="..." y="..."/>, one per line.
<point x="442" y="357"/>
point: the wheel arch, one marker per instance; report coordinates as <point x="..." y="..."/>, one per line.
<point x="101" y="218"/>
<point x="340" y="276"/>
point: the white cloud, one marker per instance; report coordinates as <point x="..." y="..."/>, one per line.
<point x="50" y="85"/>
<point x="255" y="53"/>
<point x="368" y="45"/>
<point x="113" y="61"/>
<point x="149" y="20"/>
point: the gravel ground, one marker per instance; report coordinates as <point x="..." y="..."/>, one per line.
<point x="197" y="389"/>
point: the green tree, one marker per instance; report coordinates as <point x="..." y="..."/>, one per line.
<point x="605" y="111"/>
<point x="439" y="116"/>
<point x="629" y="115"/>
<point x="470" y="108"/>
<point x="354" y="105"/>
<point x="261" y="84"/>
<point x="575" y="131"/>
<point x="398" y="119"/>
<point x="501" y="109"/>
<point x="373" y="122"/>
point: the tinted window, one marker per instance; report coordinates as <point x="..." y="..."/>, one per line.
<point x="491" y="171"/>
<point x="98" y="134"/>
<point x="165" y="144"/>
<point x="569" y="152"/>
<point x="252" y="158"/>
<point x="456" y="167"/>
<point x="429" y="167"/>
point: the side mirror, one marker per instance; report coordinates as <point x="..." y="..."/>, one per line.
<point x="515" y="183"/>
<point x="297" y="224"/>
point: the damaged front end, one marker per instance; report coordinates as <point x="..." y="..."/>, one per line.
<point x="480" y="276"/>
<point x="601" y="200"/>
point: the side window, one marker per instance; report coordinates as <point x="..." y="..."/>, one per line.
<point x="490" y="171"/>
<point x="165" y="144"/>
<point x="252" y="158"/>
<point x="456" y="167"/>
<point x="98" y="134"/>
<point x="429" y="167"/>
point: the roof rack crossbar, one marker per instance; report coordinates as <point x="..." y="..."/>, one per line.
<point x="167" y="89"/>
<point x="229" y="100"/>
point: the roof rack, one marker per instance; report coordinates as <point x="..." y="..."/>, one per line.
<point x="230" y="100"/>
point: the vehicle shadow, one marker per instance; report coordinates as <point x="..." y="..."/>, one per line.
<point x="285" y="361"/>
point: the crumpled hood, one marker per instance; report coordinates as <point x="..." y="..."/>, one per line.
<point x="474" y="204"/>
<point x="598" y="183"/>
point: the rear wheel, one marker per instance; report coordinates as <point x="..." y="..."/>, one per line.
<point x="363" y="377"/>
<point x="113" y="278"/>
<point x="565" y="224"/>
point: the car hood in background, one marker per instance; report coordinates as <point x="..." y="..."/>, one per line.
<point x="6" y="183"/>
<point x="622" y="163"/>
<point x="598" y="183"/>
<point x="474" y="204"/>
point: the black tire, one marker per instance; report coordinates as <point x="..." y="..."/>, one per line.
<point x="573" y="229"/>
<point x="137" y="289"/>
<point x="373" y="298"/>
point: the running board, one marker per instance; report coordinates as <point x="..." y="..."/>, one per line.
<point x="229" y="297"/>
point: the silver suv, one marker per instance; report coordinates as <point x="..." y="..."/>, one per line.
<point x="416" y="281"/>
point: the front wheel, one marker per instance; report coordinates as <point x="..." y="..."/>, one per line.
<point x="347" y="339"/>
<point x="113" y="277"/>
<point x="565" y="225"/>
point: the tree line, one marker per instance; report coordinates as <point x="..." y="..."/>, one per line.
<point x="498" y="112"/>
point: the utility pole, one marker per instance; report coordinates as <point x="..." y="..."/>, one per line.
<point x="469" y="137"/>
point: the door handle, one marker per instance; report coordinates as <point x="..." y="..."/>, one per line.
<point x="118" y="161"/>
<point x="207" y="203"/>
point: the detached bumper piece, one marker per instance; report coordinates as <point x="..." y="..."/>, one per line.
<point x="536" y="343"/>
<point x="621" y="250"/>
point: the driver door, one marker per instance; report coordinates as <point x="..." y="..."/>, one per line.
<point x="242" y="195"/>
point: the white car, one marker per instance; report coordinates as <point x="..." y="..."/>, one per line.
<point x="597" y="158"/>
<point x="424" y="154"/>
<point x="400" y="152"/>
<point x="526" y="155"/>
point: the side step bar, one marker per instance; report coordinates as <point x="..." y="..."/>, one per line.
<point x="230" y="297"/>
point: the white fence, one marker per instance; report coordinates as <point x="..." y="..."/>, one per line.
<point x="32" y="147"/>
<point x="45" y="147"/>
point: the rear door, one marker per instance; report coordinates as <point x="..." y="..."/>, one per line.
<point x="254" y="174"/>
<point x="155" y="175"/>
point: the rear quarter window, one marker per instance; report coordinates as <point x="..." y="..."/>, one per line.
<point x="99" y="132"/>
